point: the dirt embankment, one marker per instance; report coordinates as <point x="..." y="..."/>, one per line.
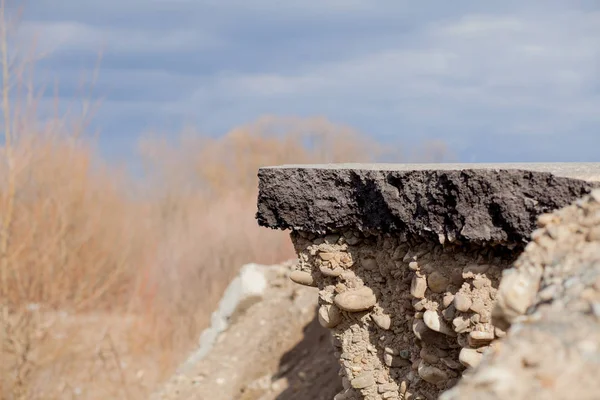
<point x="271" y="349"/>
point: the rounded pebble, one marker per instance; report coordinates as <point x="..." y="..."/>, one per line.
<point x="470" y="358"/>
<point x="431" y="374"/>
<point x="302" y="278"/>
<point x="382" y="320"/>
<point x="363" y="380"/>
<point x="329" y="316"/>
<point x="437" y="282"/>
<point x="356" y="300"/>
<point x="369" y="263"/>
<point x="462" y="302"/>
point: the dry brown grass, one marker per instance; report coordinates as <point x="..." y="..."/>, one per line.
<point x="106" y="281"/>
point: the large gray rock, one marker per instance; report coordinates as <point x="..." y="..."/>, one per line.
<point x="464" y="202"/>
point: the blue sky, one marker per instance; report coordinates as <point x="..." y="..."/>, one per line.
<point x="498" y="81"/>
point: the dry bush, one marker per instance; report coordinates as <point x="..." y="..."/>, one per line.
<point x="205" y="200"/>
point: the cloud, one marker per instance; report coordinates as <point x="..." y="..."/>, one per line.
<point x="525" y="76"/>
<point x="75" y="36"/>
<point x="467" y="72"/>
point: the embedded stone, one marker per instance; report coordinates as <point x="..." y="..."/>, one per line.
<point x="428" y="356"/>
<point x="395" y="361"/>
<point x="447" y="300"/>
<point x="387" y="387"/>
<point x="334" y="272"/>
<point x="470" y="358"/>
<point x="302" y="278"/>
<point x="431" y="374"/>
<point x="363" y="380"/>
<point x="434" y="322"/>
<point x="327" y="256"/>
<point x="480" y="338"/>
<point x="461" y="324"/>
<point x="383" y="321"/>
<point x="419" y="328"/>
<point x="462" y="302"/>
<point x="478" y="306"/>
<point x="418" y="287"/>
<point x="437" y="282"/>
<point x="329" y="316"/>
<point x="474" y="269"/>
<point x="369" y="263"/>
<point x="356" y="300"/>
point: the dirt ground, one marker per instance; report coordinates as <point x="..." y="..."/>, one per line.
<point x="276" y="350"/>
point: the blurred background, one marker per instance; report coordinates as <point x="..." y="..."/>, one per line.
<point x="132" y="132"/>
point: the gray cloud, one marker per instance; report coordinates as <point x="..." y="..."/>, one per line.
<point x="481" y="75"/>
